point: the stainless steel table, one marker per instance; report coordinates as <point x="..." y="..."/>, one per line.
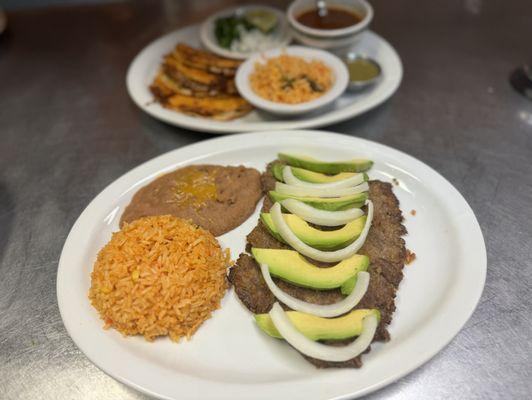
<point x="68" y="128"/>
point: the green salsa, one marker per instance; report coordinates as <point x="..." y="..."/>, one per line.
<point x="362" y="70"/>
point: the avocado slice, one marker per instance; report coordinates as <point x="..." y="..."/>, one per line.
<point x="316" y="177"/>
<point x="348" y="285"/>
<point x="311" y="176"/>
<point x="317" y="328"/>
<point x="290" y="266"/>
<point x="323" y="240"/>
<point x="329" y="203"/>
<point x="326" y="167"/>
<point x="277" y="171"/>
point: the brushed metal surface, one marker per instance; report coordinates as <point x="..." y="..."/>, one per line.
<point x="68" y="128"/>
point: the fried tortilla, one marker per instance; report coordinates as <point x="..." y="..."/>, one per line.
<point x="199" y="83"/>
<point x="214" y="197"/>
<point x="205" y="61"/>
<point x="197" y="80"/>
<point x="219" y="108"/>
<point x="165" y="86"/>
<point x="384" y="246"/>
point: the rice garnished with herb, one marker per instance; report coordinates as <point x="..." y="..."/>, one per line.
<point x="290" y="79"/>
<point x="159" y="276"/>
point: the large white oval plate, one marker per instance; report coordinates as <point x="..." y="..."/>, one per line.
<point x="229" y="358"/>
<point x="145" y="65"/>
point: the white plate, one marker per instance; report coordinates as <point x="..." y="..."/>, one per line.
<point x="144" y="67"/>
<point x="229" y="358"/>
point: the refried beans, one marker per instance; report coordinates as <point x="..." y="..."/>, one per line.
<point x="214" y="197"/>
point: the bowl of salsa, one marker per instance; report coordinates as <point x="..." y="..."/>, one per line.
<point x="339" y="27"/>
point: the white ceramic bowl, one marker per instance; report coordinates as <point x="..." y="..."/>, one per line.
<point x="281" y="34"/>
<point x="329" y="38"/>
<point x="339" y="70"/>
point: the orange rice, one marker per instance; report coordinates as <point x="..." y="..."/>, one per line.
<point x="159" y="276"/>
<point x="291" y="79"/>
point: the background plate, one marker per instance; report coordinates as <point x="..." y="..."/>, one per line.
<point x="229" y="358"/>
<point x="145" y="66"/>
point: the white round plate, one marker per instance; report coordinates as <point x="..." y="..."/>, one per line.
<point x="146" y="64"/>
<point x="229" y="358"/>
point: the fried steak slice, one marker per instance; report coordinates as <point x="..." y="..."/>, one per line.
<point x="384" y="246"/>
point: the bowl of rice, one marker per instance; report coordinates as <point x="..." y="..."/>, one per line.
<point x="292" y="80"/>
<point x="159" y="276"/>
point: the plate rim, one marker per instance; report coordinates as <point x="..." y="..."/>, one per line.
<point x="481" y="267"/>
<point x="228" y="127"/>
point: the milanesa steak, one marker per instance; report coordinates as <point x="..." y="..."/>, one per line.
<point x="384" y="246"/>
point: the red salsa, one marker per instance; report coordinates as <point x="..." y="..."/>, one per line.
<point x="336" y="18"/>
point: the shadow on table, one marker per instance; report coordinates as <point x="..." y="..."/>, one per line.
<point x="370" y="125"/>
<point x="167" y="132"/>
<point x="367" y="125"/>
<point x="7" y="214"/>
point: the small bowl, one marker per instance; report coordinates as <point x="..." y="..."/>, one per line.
<point x="329" y="38"/>
<point x="359" y="85"/>
<point x="338" y="67"/>
<point x="337" y="45"/>
<point x="281" y="33"/>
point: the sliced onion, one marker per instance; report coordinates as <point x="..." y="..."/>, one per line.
<point x="292" y="190"/>
<point x="291" y="179"/>
<point x="318" y="350"/>
<point x="326" y="256"/>
<point x="319" y="310"/>
<point x="321" y="217"/>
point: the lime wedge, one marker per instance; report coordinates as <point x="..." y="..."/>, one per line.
<point x="261" y="19"/>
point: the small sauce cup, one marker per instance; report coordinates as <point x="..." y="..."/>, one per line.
<point x="363" y="71"/>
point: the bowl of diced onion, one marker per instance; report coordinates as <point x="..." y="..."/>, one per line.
<point x="242" y="31"/>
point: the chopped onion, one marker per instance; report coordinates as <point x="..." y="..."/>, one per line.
<point x="321" y="217"/>
<point x="326" y="256"/>
<point x="319" y="310"/>
<point x="291" y="179"/>
<point x="251" y="41"/>
<point x="318" y="350"/>
<point x="291" y="190"/>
